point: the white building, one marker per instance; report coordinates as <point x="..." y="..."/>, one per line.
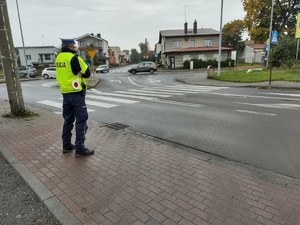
<point x="37" y="56"/>
<point x="90" y="42"/>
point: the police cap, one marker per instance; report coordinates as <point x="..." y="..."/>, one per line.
<point x="67" y="41"/>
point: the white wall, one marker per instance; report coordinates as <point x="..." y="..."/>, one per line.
<point x="37" y="55"/>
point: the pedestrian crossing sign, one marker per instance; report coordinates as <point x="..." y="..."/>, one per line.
<point x="274" y="38"/>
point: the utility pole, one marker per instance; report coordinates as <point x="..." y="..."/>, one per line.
<point x="8" y="57"/>
<point x="271" y="21"/>
<point x="220" y="40"/>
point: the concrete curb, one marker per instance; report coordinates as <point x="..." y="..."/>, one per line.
<point x="61" y="213"/>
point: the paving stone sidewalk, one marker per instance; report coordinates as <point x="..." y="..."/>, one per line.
<point x="135" y="179"/>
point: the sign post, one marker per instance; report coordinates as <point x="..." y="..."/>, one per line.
<point x="274" y="41"/>
<point x="92" y="54"/>
<point x="298" y="33"/>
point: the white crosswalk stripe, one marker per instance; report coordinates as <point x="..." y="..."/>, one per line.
<point x="112" y="99"/>
<point x="56" y="104"/>
<point x="100" y="104"/>
<point x="141" y="93"/>
<point x="98" y="99"/>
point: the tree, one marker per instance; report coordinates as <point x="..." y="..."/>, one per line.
<point x="134" y="56"/>
<point x="258" y="15"/>
<point x="285" y="51"/>
<point x="232" y="34"/>
<point x="144" y="49"/>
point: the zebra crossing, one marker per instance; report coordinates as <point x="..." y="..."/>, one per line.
<point x="97" y="99"/>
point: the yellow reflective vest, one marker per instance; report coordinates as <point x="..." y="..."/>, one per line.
<point x="64" y="74"/>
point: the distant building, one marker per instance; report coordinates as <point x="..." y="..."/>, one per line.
<point x="252" y="53"/>
<point x="88" y="42"/>
<point x="116" y="56"/>
<point x="176" y="46"/>
<point x="37" y="56"/>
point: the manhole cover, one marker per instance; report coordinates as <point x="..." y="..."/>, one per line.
<point x="117" y="126"/>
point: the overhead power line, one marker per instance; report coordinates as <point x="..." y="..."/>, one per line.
<point x="122" y="11"/>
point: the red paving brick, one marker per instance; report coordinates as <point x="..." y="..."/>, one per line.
<point x="134" y="179"/>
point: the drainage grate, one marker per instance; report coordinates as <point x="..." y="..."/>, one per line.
<point x="117" y="126"/>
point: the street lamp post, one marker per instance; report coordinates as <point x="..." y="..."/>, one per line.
<point x="23" y="40"/>
<point x="220" y="40"/>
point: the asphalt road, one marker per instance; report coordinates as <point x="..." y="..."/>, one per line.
<point x="254" y="126"/>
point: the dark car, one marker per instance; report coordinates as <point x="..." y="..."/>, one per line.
<point x="31" y="70"/>
<point x="102" y="69"/>
<point x="143" y="67"/>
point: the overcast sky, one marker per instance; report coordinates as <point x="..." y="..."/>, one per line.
<point x="123" y="23"/>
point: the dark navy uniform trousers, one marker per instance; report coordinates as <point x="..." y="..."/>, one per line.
<point x="74" y="110"/>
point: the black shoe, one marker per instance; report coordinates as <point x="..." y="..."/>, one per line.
<point x="84" y="152"/>
<point x="68" y="149"/>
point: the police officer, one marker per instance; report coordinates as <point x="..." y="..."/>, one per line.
<point x="70" y="73"/>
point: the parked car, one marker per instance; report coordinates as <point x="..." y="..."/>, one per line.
<point x="31" y="70"/>
<point x="102" y="69"/>
<point x="147" y="66"/>
<point x="49" y="72"/>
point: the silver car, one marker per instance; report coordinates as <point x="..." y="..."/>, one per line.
<point x="31" y="70"/>
<point x="102" y="69"/>
<point x="147" y="66"/>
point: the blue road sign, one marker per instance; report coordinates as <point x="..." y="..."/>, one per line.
<point x="274" y="38"/>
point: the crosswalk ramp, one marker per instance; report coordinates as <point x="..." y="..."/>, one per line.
<point x="98" y="99"/>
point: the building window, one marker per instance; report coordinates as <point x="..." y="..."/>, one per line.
<point x="193" y="43"/>
<point x="83" y="44"/>
<point x="98" y="43"/>
<point x="28" y="57"/>
<point x="176" y="44"/>
<point x="207" y="42"/>
<point x="47" y="57"/>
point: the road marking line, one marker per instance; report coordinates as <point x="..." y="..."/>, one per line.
<point x="122" y="95"/>
<point x="155" y="92"/>
<point x="197" y="87"/>
<point x="116" y="81"/>
<point x="100" y="104"/>
<point x="131" y="81"/>
<point x="50" y="84"/>
<point x="135" y="93"/>
<point x="112" y="99"/>
<point x="56" y="104"/>
<point x="170" y="90"/>
<point x="284" y="94"/>
<point x="278" y="106"/>
<point x="250" y="96"/>
<point x="177" y="103"/>
<point x="257" y="113"/>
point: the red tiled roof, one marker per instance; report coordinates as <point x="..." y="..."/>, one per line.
<point x="257" y="46"/>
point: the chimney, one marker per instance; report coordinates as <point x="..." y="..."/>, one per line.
<point x="195" y="27"/>
<point x="185" y="27"/>
<point x="99" y="35"/>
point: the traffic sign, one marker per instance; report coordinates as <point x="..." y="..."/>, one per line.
<point x="155" y="55"/>
<point x="92" y="53"/>
<point x="274" y="38"/>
